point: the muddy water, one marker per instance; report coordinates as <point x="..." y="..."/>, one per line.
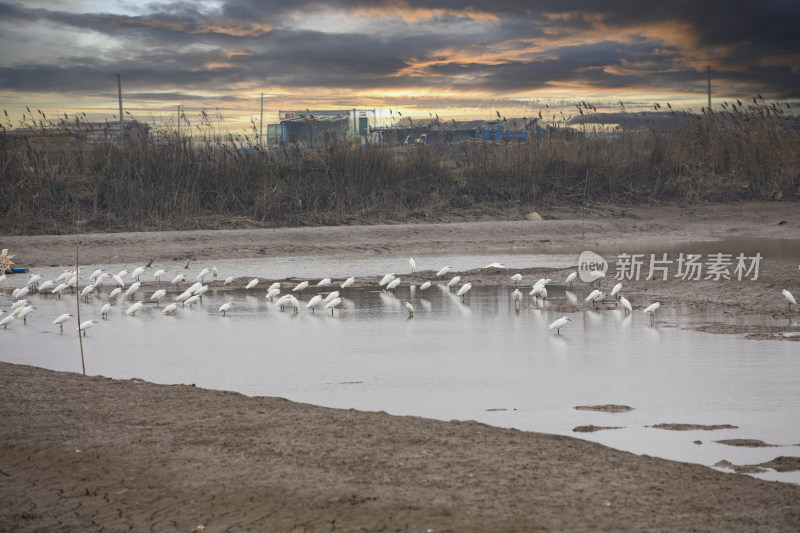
<point x="480" y="359"/>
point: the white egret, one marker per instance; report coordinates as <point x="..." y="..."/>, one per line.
<point x="194" y="287"/>
<point x="570" y="279"/>
<point x="517" y="297"/>
<point x="412" y="264"/>
<point x="790" y="297"/>
<point x="331" y="296"/>
<point x="410" y="309"/>
<point x="104" y="310"/>
<point x="293" y="302"/>
<point x="191" y="300"/>
<point x="182" y="297"/>
<point x="94" y="275"/>
<point x="496" y="265"/>
<point x="86" y="325"/>
<point x="203" y="273"/>
<point x="333" y="304"/>
<point x="596" y="276"/>
<point x="118" y="280"/>
<point x="18" y="304"/>
<point x="46" y="285"/>
<point x="464" y="290"/>
<point x="276" y="285"/>
<point x="443" y="271"/>
<point x="122" y="273"/>
<point x="158" y="274"/>
<point x="272" y="293"/>
<point x="113" y="294"/>
<point x="228" y="280"/>
<point x="392" y="285"/>
<point x="224" y="308"/>
<point x="20" y="293"/>
<point x="201" y="291"/>
<point x="425" y="286"/>
<point x="135" y="286"/>
<point x="453" y="282"/>
<point x="349" y="281"/>
<point x="180" y="278"/>
<point x="60" y="321"/>
<point x="652" y="308"/>
<point x="324" y="282"/>
<point x="34" y="281"/>
<point x="626" y="304"/>
<point x="169" y="309"/>
<point x="300" y="286"/>
<point x="593" y="297"/>
<point x="160" y="293"/>
<point x="516" y="278"/>
<point x="283" y="300"/>
<point x="6" y="321"/>
<point x="98" y="281"/>
<point x="24" y="312"/>
<point x="214" y="272"/>
<point x="560" y="323"/>
<point x="616" y="290"/>
<point x="385" y="280"/>
<point x="314" y="302"/>
<point x="137" y="272"/>
<point x="86" y="290"/>
<point x="131" y="311"/>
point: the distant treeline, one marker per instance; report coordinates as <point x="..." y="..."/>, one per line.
<point x="51" y="172"/>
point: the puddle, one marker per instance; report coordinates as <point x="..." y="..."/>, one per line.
<point x="480" y="359"/>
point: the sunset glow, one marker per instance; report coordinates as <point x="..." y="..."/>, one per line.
<point x="419" y="58"/>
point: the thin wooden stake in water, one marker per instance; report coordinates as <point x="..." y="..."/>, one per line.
<point x="78" y="285"/>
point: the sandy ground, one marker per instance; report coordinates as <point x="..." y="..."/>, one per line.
<point x="92" y="454"/>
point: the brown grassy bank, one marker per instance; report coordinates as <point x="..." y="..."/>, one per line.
<point x="163" y="181"/>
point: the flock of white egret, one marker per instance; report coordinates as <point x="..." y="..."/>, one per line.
<point x="328" y="299"/>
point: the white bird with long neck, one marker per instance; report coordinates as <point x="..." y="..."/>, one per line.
<point x="626" y="304"/>
<point x="135" y="286"/>
<point x="410" y="309"/>
<point x="652" y="308"/>
<point x="203" y="273"/>
<point x="303" y="285"/>
<point x="158" y="274"/>
<point x="156" y="296"/>
<point x="170" y="309"/>
<point x="137" y="272"/>
<point x="789" y="297"/>
<point x="331" y="296"/>
<point x="516" y="278"/>
<point x="616" y="289"/>
<point x="225" y="307"/>
<point x="314" y="302"/>
<point x="104" y="310"/>
<point x="443" y="271"/>
<point x="324" y="282"/>
<point x="385" y="280"/>
<point x="131" y="311"/>
<point x="412" y="264"/>
<point x="517" y="295"/>
<point x="465" y="288"/>
<point x="349" y="281"/>
<point x="425" y="286"/>
<point x="6" y="321"/>
<point x="60" y="321"/>
<point x="180" y="278"/>
<point x="392" y="285"/>
<point x="560" y="323"/>
<point x="336" y="302"/>
<point x="113" y="294"/>
<point x="453" y="282"/>
<point x="570" y="279"/>
<point x="228" y="280"/>
<point x="85" y="326"/>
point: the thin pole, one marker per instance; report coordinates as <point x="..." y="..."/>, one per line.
<point x="119" y="94"/>
<point x="261" y="124"/>
<point x="179" y="124"/>
<point x="78" y="285"/>
<point x="709" y="87"/>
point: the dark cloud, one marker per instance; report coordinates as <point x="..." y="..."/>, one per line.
<point x="172" y="50"/>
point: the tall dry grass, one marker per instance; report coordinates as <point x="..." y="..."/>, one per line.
<point x="162" y="180"/>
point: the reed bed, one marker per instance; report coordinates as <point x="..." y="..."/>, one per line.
<point x="163" y="180"/>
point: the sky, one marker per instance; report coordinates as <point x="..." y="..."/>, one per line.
<point x="459" y="59"/>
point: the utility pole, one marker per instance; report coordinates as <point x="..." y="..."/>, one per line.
<point x="261" y="124"/>
<point x="179" y="124"/>
<point x="709" y="88"/>
<point x="119" y="93"/>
